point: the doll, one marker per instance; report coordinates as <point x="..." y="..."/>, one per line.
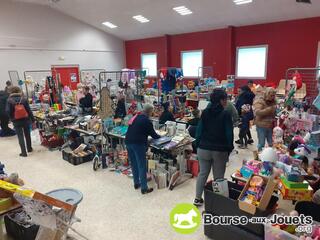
<point x="278" y="136"/>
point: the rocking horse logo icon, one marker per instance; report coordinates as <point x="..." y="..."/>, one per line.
<point x="185" y="218"/>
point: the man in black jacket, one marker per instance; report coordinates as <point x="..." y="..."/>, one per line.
<point x="4" y="118"/>
<point x="140" y="127"/>
<point x="86" y="102"/>
<point x="22" y="126"/>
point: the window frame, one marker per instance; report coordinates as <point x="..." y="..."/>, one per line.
<point x="318" y="59"/>
<point x="148" y="70"/>
<point x="266" y="62"/>
<point x="190" y="51"/>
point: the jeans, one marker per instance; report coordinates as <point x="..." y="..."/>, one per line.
<point x="263" y="134"/>
<point x="243" y="133"/>
<point x="137" y="158"/>
<point x="210" y="160"/>
<point x="23" y="132"/>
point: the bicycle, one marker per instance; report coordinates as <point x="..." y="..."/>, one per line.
<point x="99" y="160"/>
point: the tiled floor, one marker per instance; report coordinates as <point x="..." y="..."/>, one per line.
<point x="111" y="208"/>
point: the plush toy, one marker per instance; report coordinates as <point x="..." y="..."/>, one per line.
<point x="14" y="179"/>
<point x="285" y="159"/>
<point x="299" y="139"/>
<point x="303" y="151"/>
<point x="269" y="155"/>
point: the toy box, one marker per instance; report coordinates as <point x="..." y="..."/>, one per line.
<point x="295" y="193"/>
<point x="250" y="167"/>
<point x="270" y="185"/>
<point x="289" y="184"/>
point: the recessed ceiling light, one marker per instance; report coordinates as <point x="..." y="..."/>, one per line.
<point x="239" y="2"/>
<point x="109" y="25"/>
<point x="182" y="10"/>
<point x="141" y="19"/>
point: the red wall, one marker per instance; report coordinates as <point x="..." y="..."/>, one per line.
<point x="291" y="44"/>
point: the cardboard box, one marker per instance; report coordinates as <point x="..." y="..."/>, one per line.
<point x="295" y="194"/>
<point x="265" y="199"/>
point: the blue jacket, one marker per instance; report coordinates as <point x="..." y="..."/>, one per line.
<point x="139" y="131"/>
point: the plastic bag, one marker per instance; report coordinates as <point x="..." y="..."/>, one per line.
<point x="35" y="137"/>
<point x="220" y="186"/>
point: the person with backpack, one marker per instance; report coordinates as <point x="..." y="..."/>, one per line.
<point x="19" y="111"/>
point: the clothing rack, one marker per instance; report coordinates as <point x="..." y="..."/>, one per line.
<point x="159" y="78"/>
<point x="37" y="76"/>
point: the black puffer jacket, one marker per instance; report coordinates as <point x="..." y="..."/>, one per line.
<point x="12" y="101"/>
<point x="3" y="102"/>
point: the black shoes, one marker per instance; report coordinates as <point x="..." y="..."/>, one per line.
<point x="146" y="191"/>
<point x="23" y="155"/>
<point x="136" y="186"/>
<point x="198" y="202"/>
<point x="30" y="150"/>
<point x="250" y="141"/>
<point x="238" y="142"/>
<point x="243" y="146"/>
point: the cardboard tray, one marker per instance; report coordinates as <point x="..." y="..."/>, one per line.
<point x="265" y="199"/>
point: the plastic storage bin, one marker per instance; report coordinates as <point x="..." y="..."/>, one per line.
<point x="74" y="160"/>
<point x="18" y="230"/>
<point x="272" y="233"/>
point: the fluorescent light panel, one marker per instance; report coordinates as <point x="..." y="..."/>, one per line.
<point x="239" y="2"/>
<point x="109" y="25"/>
<point x="182" y="10"/>
<point x="141" y="18"/>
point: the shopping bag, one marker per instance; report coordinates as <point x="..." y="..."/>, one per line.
<point x="220" y="186"/>
<point x="35" y="137"/>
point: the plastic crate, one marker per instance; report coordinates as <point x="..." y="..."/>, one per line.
<point x="66" y="154"/>
<point x="19" y="231"/>
<point x="273" y="233"/>
<point x="79" y="160"/>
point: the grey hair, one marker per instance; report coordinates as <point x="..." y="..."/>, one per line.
<point x="147" y="108"/>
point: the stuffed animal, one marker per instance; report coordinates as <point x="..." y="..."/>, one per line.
<point x="303" y="151"/>
<point x="14" y="179"/>
<point x="269" y="155"/>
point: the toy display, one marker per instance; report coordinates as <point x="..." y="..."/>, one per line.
<point x="250" y="167"/>
<point x="255" y="191"/>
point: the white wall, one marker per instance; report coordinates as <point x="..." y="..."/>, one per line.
<point x="33" y="37"/>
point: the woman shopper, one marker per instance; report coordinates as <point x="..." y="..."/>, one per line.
<point x="19" y="111"/>
<point x="264" y="108"/>
<point x="140" y="127"/>
<point x="215" y="141"/>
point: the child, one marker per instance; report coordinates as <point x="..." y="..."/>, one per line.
<point x="246" y="117"/>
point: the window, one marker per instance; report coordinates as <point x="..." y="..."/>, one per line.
<point x="191" y="61"/>
<point x="149" y="63"/>
<point x="252" y="62"/>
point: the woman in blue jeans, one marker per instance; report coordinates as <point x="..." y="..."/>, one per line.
<point x="264" y="108"/>
<point x="140" y="127"/>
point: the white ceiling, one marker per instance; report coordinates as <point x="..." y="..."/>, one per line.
<point x="207" y="14"/>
